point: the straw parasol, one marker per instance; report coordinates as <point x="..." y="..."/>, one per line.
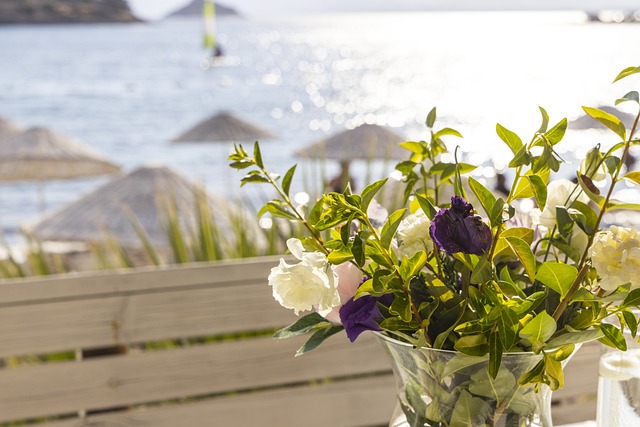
<point x="8" y="130"/>
<point x="223" y="127"/>
<point x="39" y="154"/>
<point x="143" y="191"/>
<point x="365" y="142"/>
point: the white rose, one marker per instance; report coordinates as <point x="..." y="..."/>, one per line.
<point x="307" y="285"/>
<point x="558" y="192"/>
<point x="413" y="234"/>
<point x="615" y="254"/>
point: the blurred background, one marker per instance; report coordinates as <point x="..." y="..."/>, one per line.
<point x="129" y="78"/>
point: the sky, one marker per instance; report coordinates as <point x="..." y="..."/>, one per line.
<point x="155" y="9"/>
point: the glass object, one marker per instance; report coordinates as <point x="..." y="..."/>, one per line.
<point x="438" y="388"/>
<point x="619" y="386"/>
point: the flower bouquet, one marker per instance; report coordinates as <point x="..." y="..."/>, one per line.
<point x="478" y="303"/>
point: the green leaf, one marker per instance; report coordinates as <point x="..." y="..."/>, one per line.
<point x="626" y="73"/>
<point x="318" y="338"/>
<point x="539" y="330"/>
<point x="545" y="120"/>
<point x="556" y="133"/>
<point x="557" y="276"/>
<point x="631" y="96"/>
<point x="401" y="307"/>
<point x="359" y="250"/>
<point x="286" y="181"/>
<point x="524" y="254"/>
<point x="612" y="336"/>
<point x="472" y="345"/>
<point x="277" y="210"/>
<point x="370" y="191"/>
<point x="608" y="120"/>
<point x="257" y="155"/>
<point x="507" y="327"/>
<point x="339" y="256"/>
<point x="495" y="354"/>
<point x="633" y="177"/>
<point x="390" y="227"/>
<point x="631" y="321"/>
<point x="512" y="140"/>
<point x="574" y="338"/>
<point x="253" y="177"/>
<point x="429" y="210"/>
<point x="302" y="326"/>
<point x="554" y="373"/>
<point x="486" y="197"/>
<point x="447" y="131"/>
<point x="411" y="266"/>
<point x="468" y="410"/>
<point x="539" y="189"/>
<point x="431" y="118"/>
<point x="590" y="190"/>
<point x="632" y="299"/>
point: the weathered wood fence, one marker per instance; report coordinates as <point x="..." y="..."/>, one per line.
<point x="164" y="373"/>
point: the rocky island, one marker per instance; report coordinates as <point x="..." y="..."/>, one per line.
<point x="195" y="8"/>
<point x="64" y="11"/>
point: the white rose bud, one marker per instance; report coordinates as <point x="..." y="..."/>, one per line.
<point x="615" y="254"/>
<point x="413" y="234"/>
<point x="307" y="285"/>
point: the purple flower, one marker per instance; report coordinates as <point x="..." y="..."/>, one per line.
<point x="457" y="229"/>
<point x="362" y="315"/>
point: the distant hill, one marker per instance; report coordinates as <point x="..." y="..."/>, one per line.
<point x="195" y="8"/>
<point x="64" y="11"/>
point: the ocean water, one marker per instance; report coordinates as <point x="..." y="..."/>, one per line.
<point x="126" y="90"/>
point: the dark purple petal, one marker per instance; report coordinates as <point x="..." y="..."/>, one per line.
<point x="360" y="315"/>
<point x="457" y="229"/>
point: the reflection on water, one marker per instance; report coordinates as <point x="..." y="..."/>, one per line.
<point x="127" y="89"/>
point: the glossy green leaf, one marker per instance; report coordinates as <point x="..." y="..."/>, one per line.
<point x="286" y="181"/>
<point x="539" y="188"/>
<point x="302" y="326"/>
<point x="512" y="140"/>
<point x="608" y="120"/>
<point x="626" y="73"/>
<point x="631" y="96"/>
<point x="318" y="338"/>
<point x="632" y="299"/>
<point x="472" y="345"/>
<point x="556" y="133"/>
<point x="426" y="206"/>
<point x="557" y="276"/>
<point x="447" y="132"/>
<point x="486" y="197"/>
<point x="633" y="177"/>
<point x="431" y="118"/>
<point x="524" y="254"/>
<point x="539" y="330"/>
<point x="545" y="120"/>
<point x="612" y="336"/>
<point x="390" y="227"/>
<point x="370" y="192"/>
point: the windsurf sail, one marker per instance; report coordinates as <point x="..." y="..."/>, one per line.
<point x="209" y="15"/>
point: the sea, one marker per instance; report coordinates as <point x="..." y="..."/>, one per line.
<point x="127" y="89"/>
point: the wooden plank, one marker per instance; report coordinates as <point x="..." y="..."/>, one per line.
<point x="121" y="319"/>
<point x="127" y="282"/>
<point x="354" y="403"/>
<point x="64" y="387"/>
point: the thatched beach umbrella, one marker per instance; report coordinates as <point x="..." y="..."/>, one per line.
<point x="8" y="130"/>
<point x="223" y="127"/>
<point x="365" y="142"/>
<point x="39" y="154"/>
<point x="143" y="192"/>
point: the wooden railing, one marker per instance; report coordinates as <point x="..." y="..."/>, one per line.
<point x="191" y="346"/>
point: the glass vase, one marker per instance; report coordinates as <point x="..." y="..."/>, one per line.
<point x="440" y="388"/>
